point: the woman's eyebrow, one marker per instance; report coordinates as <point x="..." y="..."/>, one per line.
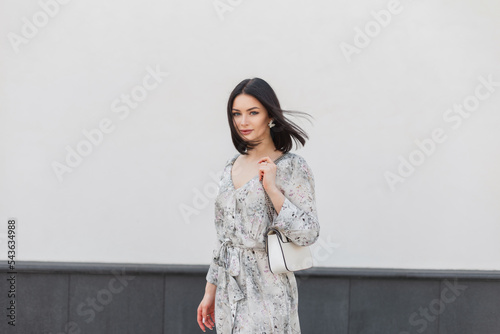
<point x="247" y="109"/>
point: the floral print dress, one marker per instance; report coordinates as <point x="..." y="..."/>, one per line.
<point x="249" y="297"/>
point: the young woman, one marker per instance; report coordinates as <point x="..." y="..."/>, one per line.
<point x="242" y="295"/>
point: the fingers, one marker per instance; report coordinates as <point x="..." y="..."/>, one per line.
<point x="266" y="159"/>
<point x="205" y="319"/>
<point x="211" y="320"/>
<point x="265" y="164"/>
<point x="200" y="319"/>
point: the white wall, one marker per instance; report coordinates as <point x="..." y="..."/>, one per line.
<point x="122" y="203"/>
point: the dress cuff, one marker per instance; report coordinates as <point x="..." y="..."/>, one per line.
<point x="212" y="275"/>
<point x="300" y="226"/>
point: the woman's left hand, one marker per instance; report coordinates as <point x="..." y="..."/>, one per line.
<point x="267" y="173"/>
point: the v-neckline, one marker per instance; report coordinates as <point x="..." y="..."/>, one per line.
<point x="231" y="172"/>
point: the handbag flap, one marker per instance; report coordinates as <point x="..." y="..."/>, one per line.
<point x="284" y="255"/>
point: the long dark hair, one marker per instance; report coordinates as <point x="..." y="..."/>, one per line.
<point x="284" y="130"/>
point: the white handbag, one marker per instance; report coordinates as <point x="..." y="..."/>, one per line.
<point x="284" y="256"/>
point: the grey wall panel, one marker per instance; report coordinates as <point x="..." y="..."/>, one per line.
<point x="323" y="304"/>
<point x="42" y="303"/>
<point x="390" y="306"/>
<point x="76" y="298"/>
<point x="470" y="307"/>
<point x="183" y="294"/>
<point x="117" y="304"/>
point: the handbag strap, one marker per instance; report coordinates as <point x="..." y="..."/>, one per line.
<point x="278" y="233"/>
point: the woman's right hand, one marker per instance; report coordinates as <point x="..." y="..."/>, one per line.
<point x="206" y="309"/>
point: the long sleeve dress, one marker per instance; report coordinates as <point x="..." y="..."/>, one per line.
<point x="249" y="297"/>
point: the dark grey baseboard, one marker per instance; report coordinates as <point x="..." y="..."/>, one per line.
<point x="78" y="298"/>
<point x="180" y="269"/>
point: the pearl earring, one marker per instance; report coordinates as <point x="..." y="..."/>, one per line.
<point x="271" y="124"/>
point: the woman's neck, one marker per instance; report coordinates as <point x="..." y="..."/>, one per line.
<point x="258" y="152"/>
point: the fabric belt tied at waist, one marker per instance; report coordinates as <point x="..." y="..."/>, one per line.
<point x="228" y="260"/>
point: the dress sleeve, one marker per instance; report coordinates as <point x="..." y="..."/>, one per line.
<point x="298" y="219"/>
<point x="212" y="275"/>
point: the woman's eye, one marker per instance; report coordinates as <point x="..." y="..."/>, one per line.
<point x="252" y="112"/>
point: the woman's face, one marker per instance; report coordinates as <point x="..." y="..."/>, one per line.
<point x="250" y="114"/>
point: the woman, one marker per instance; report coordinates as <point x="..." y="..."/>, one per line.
<point x="242" y="295"/>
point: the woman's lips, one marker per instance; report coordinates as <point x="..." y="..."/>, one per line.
<point x="245" y="132"/>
